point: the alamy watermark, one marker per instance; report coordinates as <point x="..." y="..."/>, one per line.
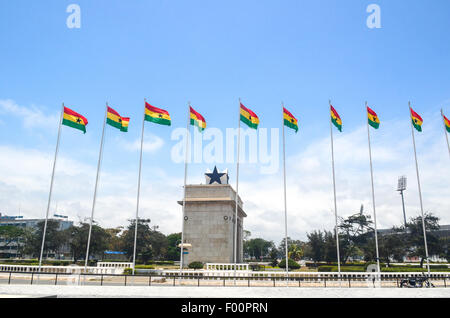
<point x="73" y="21"/>
<point x="212" y="146"/>
<point x="374" y="19"/>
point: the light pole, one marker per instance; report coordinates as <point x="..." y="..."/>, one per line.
<point x="402" y="187"/>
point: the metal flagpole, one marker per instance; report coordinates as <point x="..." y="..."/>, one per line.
<point x="285" y="204"/>
<point x="335" y="204"/>
<point x="51" y="188"/>
<point x="420" y="193"/>
<point x="184" y="195"/>
<point x="138" y="191"/>
<point x="373" y="198"/>
<point x="237" y="191"/>
<point x="445" y="132"/>
<point x="95" y="190"/>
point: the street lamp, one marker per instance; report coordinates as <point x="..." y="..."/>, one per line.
<point x="402" y="187"/>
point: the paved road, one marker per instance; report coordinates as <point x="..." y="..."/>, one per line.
<point x="219" y="292"/>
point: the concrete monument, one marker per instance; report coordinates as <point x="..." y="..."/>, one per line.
<point x="209" y="221"/>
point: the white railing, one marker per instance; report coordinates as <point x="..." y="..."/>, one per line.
<point x="122" y="265"/>
<point x="226" y="267"/>
<point x="299" y="275"/>
<point x="59" y="269"/>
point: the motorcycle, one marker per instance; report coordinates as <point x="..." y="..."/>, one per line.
<point x="416" y="282"/>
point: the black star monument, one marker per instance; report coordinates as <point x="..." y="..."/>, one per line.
<point x="215" y="176"/>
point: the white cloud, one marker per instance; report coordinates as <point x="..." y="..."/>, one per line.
<point x="151" y="143"/>
<point x="26" y="177"/>
<point x="32" y="116"/>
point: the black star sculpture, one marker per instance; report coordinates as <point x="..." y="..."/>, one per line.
<point x="215" y="176"/>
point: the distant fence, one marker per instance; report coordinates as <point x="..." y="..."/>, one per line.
<point x="59" y="269"/>
<point x="346" y="280"/>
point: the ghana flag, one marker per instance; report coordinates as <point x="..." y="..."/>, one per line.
<point x="114" y="119"/>
<point x="374" y="121"/>
<point x="157" y="115"/>
<point x="249" y="117"/>
<point x="447" y="123"/>
<point x="197" y="119"/>
<point x="74" y="120"/>
<point x="416" y="120"/>
<point x="335" y="119"/>
<point x="289" y="120"/>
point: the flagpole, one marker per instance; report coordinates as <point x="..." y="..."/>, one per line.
<point x="335" y="204"/>
<point x="445" y="132"/>
<point x="420" y="194"/>
<point x="285" y="204"/>
<point x="237" y="190"/>
<point x="138" y="191"/>
<point x="185" y="180"/>
<point x="95" y="190"/>
<point x="51" y="188"/>
<point x="373" y="198"/>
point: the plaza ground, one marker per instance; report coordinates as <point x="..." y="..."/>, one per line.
<point x="216" y="292"/>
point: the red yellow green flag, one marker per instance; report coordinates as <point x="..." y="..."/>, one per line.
<point x="197" y="119"/>
<point x="249" y="117"/>
<point x="447" y="123"/>
<point x="157" y="115"/>
<point x="335" y="119"/>
<point x="74" y="120"/>
<point x="416" y="120"/>
<point x="374" y="121"/>
<point x="114" y="119"/>
<point x="289" y="120"/>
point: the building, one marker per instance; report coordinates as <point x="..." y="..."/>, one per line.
<point x="209" y="221"/>
<point x="11" y="249"/>
<point x="443" y="231"/>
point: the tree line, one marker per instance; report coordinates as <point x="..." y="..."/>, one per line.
<point x="357" y="242"/>
<point x="152" y="244"/>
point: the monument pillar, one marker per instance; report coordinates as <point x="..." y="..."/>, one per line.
<point x="209" y="221"/>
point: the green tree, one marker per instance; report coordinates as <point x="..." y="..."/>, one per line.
<point x="315" y="248"/>
<point x="291" y="264"/>
<point x="114" y="241"/>
<point x="144" y="251"/>
<point x="173" y="251"/>
<point x="78" y="237"/>
<point x="12" y="234"/>
<point x="391" y="246"/>
<point x="354" y="232"/>
<point x="151" y="244"/>
<point x="159" y="244"/>
<point x="415" y="240"/>
<point x="257" y="247"/>
<point x="196" y="265"/>
<point x="329" y="252"/>
<point x="54" y="239"/>
<point x="295" y="252"/>
<point x="282" y="247"/>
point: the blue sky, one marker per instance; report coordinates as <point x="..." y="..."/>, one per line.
<point x="211" y="53"/>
